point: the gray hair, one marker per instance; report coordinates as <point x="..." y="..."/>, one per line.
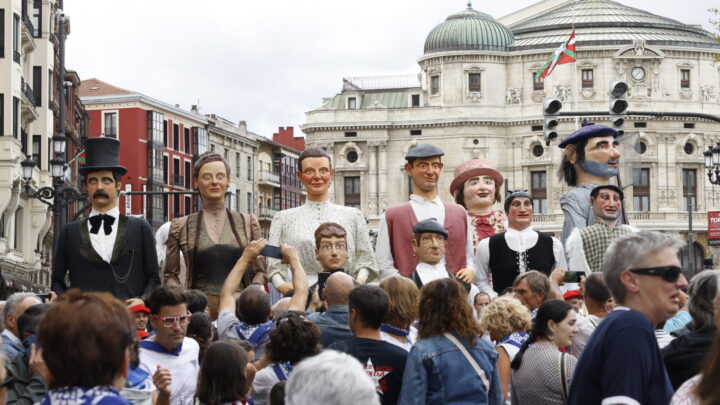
<point x="13" y="301"/>
<point x="330" y="378"/>
<point x="702" y="291"/>
<point x="630" y="252"/>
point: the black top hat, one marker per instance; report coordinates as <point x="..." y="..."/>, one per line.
<point x="102" y="154"/>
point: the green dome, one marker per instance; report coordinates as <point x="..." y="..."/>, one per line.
<point x="469" y="30"/>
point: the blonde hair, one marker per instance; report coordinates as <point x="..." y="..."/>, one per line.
<point x="404" y="299"/>
<point x="505" y="315"/>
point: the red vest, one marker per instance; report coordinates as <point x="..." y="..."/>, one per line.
<point x="400" y="222"/>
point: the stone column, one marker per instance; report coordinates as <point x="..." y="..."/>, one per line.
<point x="372" y="175"/>
<point x="382" y="176"/>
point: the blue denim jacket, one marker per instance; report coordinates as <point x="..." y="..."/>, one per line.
<point x="436" y="372"/>
<point x="333" y="324"/>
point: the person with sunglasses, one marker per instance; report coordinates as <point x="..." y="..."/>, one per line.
<point x="170" y="356"/>
<point x="643" y="272"/>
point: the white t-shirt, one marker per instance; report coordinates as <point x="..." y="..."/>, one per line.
<point x="264" y="380"/>
<point x="183" y="366"/>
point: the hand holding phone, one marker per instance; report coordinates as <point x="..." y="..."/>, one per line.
<point x="573" y="276"/>
<point x="271" y="251"/>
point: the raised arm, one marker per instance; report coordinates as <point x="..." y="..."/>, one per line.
<point x="299" y="278"/>
<point x="233" y="280"/>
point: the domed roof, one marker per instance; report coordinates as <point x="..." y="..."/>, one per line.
<point x="468" y="30"/>
<point x="605" y="22"/>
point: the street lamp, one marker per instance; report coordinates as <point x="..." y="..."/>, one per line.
<point x="47" y="194"/>
<point x="712" y="163"/>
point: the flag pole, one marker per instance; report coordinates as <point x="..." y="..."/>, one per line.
<point x="575" y="76"/>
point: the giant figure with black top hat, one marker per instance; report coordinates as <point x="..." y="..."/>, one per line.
<point x="106" y="251"/>
<point x="591" y="158"/>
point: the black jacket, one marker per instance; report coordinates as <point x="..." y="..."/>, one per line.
<point x="685" y="355"/>
<point x="133" y="268"/>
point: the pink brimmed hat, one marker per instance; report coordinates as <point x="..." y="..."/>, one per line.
<point x="474" y="168"/>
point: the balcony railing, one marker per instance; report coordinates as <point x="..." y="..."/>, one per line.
<point x="28" y="92"/>
<point x="269" y="177"/>
<point x="28" y="23"/>
<point x="267" y="213"/>
<point x="178" y="180"/>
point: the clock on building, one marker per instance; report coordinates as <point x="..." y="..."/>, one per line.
<point x="638" y="73"/>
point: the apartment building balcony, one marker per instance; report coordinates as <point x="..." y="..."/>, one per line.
<point x="266" y="214"/>
<point x="27" y="29"/>
<point x="267" y="178"/>
<point x="29" y="113"/>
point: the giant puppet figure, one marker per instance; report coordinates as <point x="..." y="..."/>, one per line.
<point x="476" y="187"/>
<point x="106" y="251"/>
<point x="591" y="158"/>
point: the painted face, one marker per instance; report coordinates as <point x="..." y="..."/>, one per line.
<point x="425" y="172"/>
<point x="316" y="175"/>
<point x="479" y="192"/>
<point x="481" y="301"/>
<point x="212" y="182"/>
<point x="565" y="330"/>
<point x="430" y="249"/>
<point x="520" y="213"/>
<point x="528" y="298"/>
<point x="141" y="320"/>
<point x="663" y="296"/>
<point x="602" y="158"/>
<point x="332" y="253"/>
<point x="102" y="190"/>
<point x="607" y="204"/>
<point x="171" y="336"/>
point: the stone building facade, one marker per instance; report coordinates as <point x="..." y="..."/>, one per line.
<point x="476" y="96"/>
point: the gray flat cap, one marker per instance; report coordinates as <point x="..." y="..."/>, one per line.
<point x="424" y="151"/>
<point x="430" y="225"/>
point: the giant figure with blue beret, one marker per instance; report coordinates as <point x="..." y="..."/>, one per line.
<point x="591" y="158"/>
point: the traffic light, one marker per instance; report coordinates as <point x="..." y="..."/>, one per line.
<point x="551" y="111"/>
<point x="618" y="105"/>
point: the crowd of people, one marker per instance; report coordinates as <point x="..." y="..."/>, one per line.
<point x="455" y="303"/>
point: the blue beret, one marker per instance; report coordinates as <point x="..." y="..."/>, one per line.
<point x="590" y="131"/>
<point x="430" y="225"/>
<point x="423" y="151"/>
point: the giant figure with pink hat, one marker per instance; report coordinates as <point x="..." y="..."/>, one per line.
<point x="476" y="187"/>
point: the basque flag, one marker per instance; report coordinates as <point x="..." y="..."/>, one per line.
<point x="564" y="54"/>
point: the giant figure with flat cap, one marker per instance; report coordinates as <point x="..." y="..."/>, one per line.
<point x="394" y="242"/>
<point x="106" y="251"/>
<point x="591" y="158"/>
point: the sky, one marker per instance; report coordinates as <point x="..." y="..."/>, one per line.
<point x="268" y="62"/>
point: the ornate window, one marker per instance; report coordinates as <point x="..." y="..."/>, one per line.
<point x="435" y="84"/>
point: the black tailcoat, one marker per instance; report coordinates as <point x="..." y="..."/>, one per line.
<point x="133" y="268"/>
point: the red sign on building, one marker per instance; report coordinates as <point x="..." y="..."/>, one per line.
<point x="714" y="228"/>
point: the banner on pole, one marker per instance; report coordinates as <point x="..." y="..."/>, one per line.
<point x="714" y="228"/>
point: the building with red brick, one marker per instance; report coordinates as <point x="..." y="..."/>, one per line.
<point x="158" y="141"/>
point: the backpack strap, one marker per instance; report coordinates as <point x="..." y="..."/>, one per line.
<point x="563" y="377"/>
<point x="469" y="358"/>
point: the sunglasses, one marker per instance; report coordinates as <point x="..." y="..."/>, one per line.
<point x="169" y="321"/>
<point x="668" y="273"/>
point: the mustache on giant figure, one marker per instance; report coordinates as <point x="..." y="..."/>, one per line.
<point x="101" y="193"/>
